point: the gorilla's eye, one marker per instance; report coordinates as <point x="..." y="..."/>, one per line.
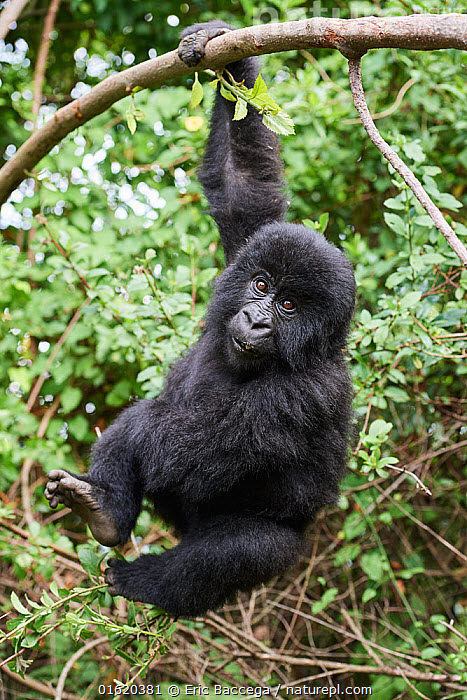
<point x="288" y="305"/>
<point x="261" y="285"/>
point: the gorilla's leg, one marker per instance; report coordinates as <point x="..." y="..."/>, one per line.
<point x="109" y="497"/>
<point x="211" y="563"/>
<point x="82" y="498"/>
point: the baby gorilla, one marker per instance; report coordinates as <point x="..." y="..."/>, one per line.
<point x="249" y="436"/>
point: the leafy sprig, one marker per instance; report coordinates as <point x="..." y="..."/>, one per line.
<point x="80" y="610"/>
<point x="258" y="97"/>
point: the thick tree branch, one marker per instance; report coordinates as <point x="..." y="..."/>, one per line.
<point x="352" y="37"/>
<point x="398" y="164"/>
<point x="10" y="14"/>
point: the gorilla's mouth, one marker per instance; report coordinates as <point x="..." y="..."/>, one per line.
<point x="242" y="346"/>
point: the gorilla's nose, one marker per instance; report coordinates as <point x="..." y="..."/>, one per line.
<point x="255" y="322"/>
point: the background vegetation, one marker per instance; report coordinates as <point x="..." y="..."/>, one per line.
<point x="105" y="268"/>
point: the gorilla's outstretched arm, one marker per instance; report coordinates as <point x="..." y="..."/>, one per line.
<point x="241" y="170"/>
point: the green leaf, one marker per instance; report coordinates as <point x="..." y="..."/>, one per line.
<point x="119" y="394"/>
<point x="447" y="201"/>
<point x="407" y="574"/>
<point x="196" y="93"/>
<point x="89" y="560"/>
<point x="326" y="599"/>
<point x="397" y="394"/>
<point x="365" y="317"/>
<point x="395" y="223"/>
<point x="392" y="203"/>
<point x="453" y="317"/>
<point x="279" y="123"/>
<point x="380" y="334"/>
<point x="17" y="604"/>
<point x="354" y="526"/>
<point x="131" y="121"/>
<point x="78" y="426"/>
<point x="323" y="222"/>
<point x="379" y="428"/>
<point x="241" y="110"/>
<point x="46" y="599"/>
<point x="395" y="278"/>
<point x="265" y="104"/>
<point x="131" y="613"/>
<point x="432" y="170"/>
<point x="436" y="620"/>
<point x="21" y="375"/>
<point x="132" y="660"/>
<point x="70" y="398"/>
<point x="385" y="517"/>
<point x="430" y="653"/>
<point x="368" y="594"/>
<point x="410" y="300"/>
<point x="54" y="589"/>
<point x="147" y="373"/>
<point x="97" y="272"/>
<point x="227" y="94"/>
<point x="413" y="151"/>
<point x="33" y="603"/>
<point x="424" y="220"/>
<point x="259" y="88"/>
<point x="433" y="258"/>
<point x="372" y="565"/>
<point x="348" y="552"/>
<point x="30" y="640"/>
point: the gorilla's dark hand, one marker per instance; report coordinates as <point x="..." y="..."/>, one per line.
<point x="194" y="39"/>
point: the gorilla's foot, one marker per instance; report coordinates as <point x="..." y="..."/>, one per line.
<point x="81" y="498"/>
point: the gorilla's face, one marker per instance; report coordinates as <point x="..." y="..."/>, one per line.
<point x="287" y="297"/>
<point x="266" y="311"/>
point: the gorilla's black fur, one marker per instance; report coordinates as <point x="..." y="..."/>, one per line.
<point x="249" y="437"/>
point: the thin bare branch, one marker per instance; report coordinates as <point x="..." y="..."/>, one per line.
<point x="37" y="686"/>
<point x="450" y="626"/>
<point x="38" y="385"/>
<point x="25" y="534"/>
<point x="357" y="668"/>
<point x="418" y="481"/>
<point x="398" y="164"/>
<point x="309" y="57"/>
<point x="28" y="462"/>
<point x="392" y="108"/>
<point x="59" y="691"/>
<point x="352" y="37"/>
<point x="43" y="54"/>
<point x="434" y="534"/>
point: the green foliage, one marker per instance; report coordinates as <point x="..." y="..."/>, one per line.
<point x="79" y="613"/>
<point x="274" y="118"/>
